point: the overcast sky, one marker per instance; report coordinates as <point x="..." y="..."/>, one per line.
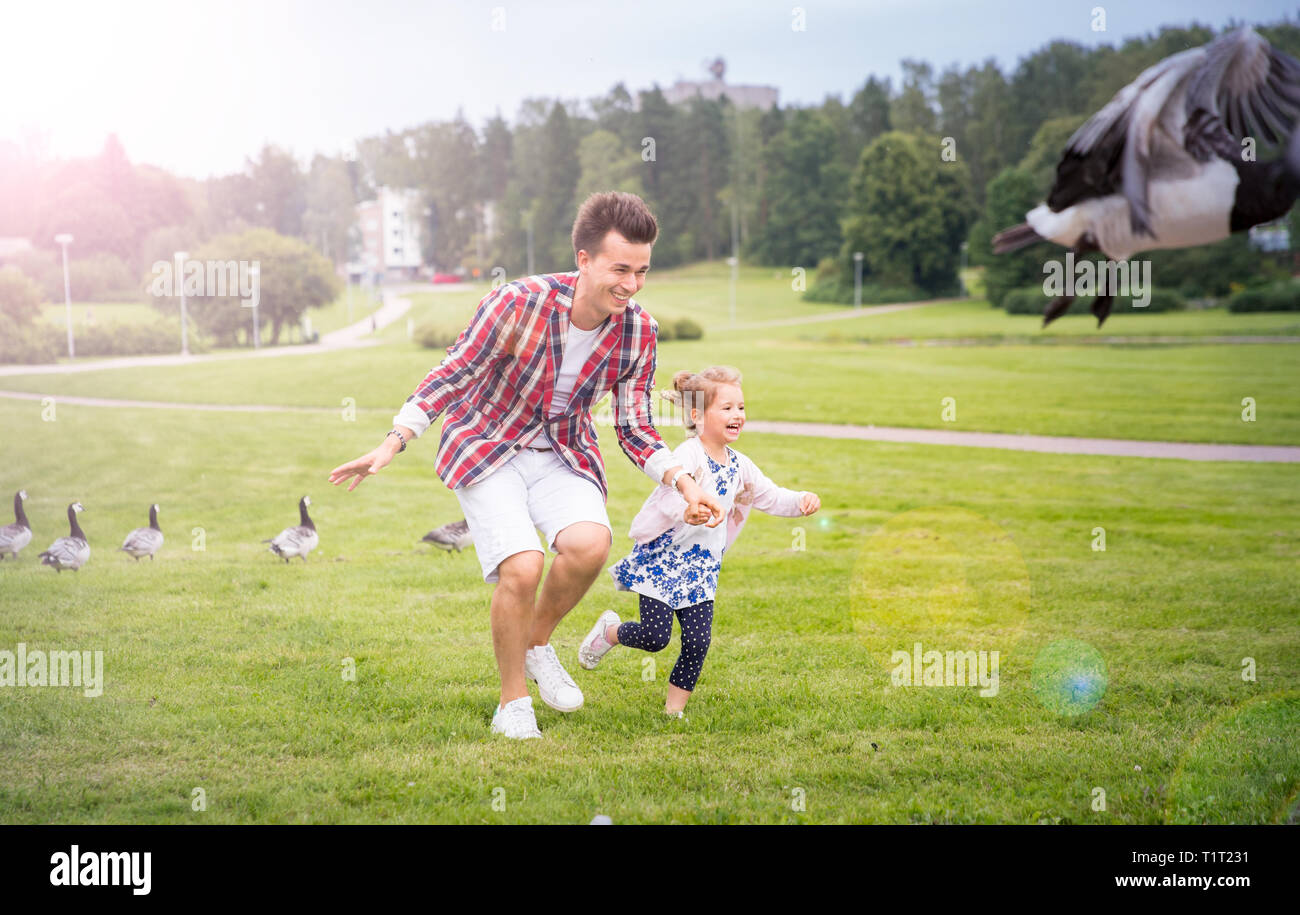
<point x="197" y="86"/>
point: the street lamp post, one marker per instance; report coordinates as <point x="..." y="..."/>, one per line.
<point x="255" y="272"/>
<point x="64" y="239"/>
<point x="185" y="325"/>
<point x="857" y="279"/>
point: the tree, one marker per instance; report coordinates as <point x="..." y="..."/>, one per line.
<point x="331" y="209"/>
<point x="912" y="111"/>
<point x="279" y="190"/>
<point x="1010" y="195"/>
<point x="909" y="214"/>
<point x="804" y="189"/>
<point x="292" y="278"/>
<point x="607" y="164"/>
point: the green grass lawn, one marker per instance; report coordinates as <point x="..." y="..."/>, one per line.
<point x="1182" y="393"/>
<point x="223" y="667"/>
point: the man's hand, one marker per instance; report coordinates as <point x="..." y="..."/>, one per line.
<point x="700" y="505"/>
<point x="366" y="465"/>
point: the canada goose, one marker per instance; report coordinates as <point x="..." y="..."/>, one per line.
<point x="13" y="537"/>
<point x="1169" y="161"/>
<point x="454" y="536"/>
<point x="72" y="551"/>
<point x="296" y="541"/>
<point x="144" y="541"/>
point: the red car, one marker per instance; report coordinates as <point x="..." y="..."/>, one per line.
<point x="447" y="278"/>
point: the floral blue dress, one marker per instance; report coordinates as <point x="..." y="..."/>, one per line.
<point x="680" y="566"/>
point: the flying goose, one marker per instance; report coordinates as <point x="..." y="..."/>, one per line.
<point x="13" y="537"/>
<point x="454" y="536"/>
<point x="144" y="541"/>
<point x="1165" y="164"/>
<point x="72" y="551"/>
<point x="296" y="541"/>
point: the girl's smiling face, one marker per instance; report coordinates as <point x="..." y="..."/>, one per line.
<point x="722" y="421"/>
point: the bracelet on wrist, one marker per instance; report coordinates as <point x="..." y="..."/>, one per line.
<point x="400" y="438"/>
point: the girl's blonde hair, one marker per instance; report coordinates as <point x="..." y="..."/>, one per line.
<point x="698" y="390"/>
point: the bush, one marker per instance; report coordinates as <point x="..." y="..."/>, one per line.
<point x="1284" y="296"/>
<point x="666" y="332"/>
<point x="29" y="343"/>
<point x="134" y="339"/>
<point x="686" y="329"/>
<point x="432" y="336"/>
<point x="20" y="298"/>
<point x="1032" y="300"/>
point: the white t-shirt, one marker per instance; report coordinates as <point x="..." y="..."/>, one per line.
<point x="578" y="345"/>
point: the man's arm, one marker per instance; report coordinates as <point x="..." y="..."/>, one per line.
<point x="633" y="427"/>
<point x="642" y="443"/>
<point x="466" y="360"/>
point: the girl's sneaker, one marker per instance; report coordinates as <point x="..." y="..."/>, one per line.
<point x="594" y="647"/>
<point x="516" y="719"/>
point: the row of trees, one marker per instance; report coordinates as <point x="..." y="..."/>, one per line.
<point x="904" y="174"/>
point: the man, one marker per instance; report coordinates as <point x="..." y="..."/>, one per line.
<point x="519" y="447"/>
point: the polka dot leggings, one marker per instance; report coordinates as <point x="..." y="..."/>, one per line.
<point x="656" y="628"/>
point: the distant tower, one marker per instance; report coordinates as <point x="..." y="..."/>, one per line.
<point x="718" y="68"/>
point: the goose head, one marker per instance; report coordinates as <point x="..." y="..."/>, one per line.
<point x="76" y="507"/>
<point x="22" y="494"/>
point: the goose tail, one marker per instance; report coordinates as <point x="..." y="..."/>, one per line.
<point x="1015" y="238"/>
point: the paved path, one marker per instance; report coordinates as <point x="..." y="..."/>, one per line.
<point x="1049" y="444"/>
<point x="354" y="335"/>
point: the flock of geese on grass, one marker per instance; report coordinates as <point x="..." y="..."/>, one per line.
<point x="73" y="551"/>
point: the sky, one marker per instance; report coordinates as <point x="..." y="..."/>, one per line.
<point x="195" y="87"/>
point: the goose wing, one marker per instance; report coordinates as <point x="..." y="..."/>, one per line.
<point x="143" y="540"/>
<point x="1244" y="88"/>
<point x="67" y="551"/>
<point x="455" y="534"/>
<point x="293" y="541"/>
<point x="1115" y="148"/>
<point x="13" y="537"/>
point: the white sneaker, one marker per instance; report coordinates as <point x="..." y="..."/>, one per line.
<point x="516" y="719"/>
<point x="554" y="684"/>
<point x="594" y="647"/>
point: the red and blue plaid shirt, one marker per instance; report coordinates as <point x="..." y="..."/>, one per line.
<point x="496" y="382"/>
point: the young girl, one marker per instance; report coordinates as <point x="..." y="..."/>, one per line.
<point x="674" y="565"/>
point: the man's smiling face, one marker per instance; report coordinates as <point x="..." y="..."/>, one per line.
<point x="613" y="274"/>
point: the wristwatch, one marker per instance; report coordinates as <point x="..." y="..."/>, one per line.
<point x="673" y="483"/>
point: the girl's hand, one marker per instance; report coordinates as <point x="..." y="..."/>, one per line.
<point x="809" y="503"/>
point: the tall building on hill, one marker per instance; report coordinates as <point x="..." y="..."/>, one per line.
<point x="741" y="96"/>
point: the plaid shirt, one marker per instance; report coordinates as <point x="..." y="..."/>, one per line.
<point x="496" y="382"/>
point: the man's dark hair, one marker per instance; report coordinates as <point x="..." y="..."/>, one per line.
<point x="625" y="213"/>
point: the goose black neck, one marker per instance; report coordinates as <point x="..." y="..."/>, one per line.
<point x="1265" y="191"/>
<point x="19" y="515"/>
<point x="303" y="518"/>
<point x="153" y="517"/>
<point x="76" y="530"/>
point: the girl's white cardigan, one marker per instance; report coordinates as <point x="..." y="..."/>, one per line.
<point x="664" y="508"/>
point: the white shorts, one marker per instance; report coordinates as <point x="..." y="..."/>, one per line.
<point x="534" y="489"/>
